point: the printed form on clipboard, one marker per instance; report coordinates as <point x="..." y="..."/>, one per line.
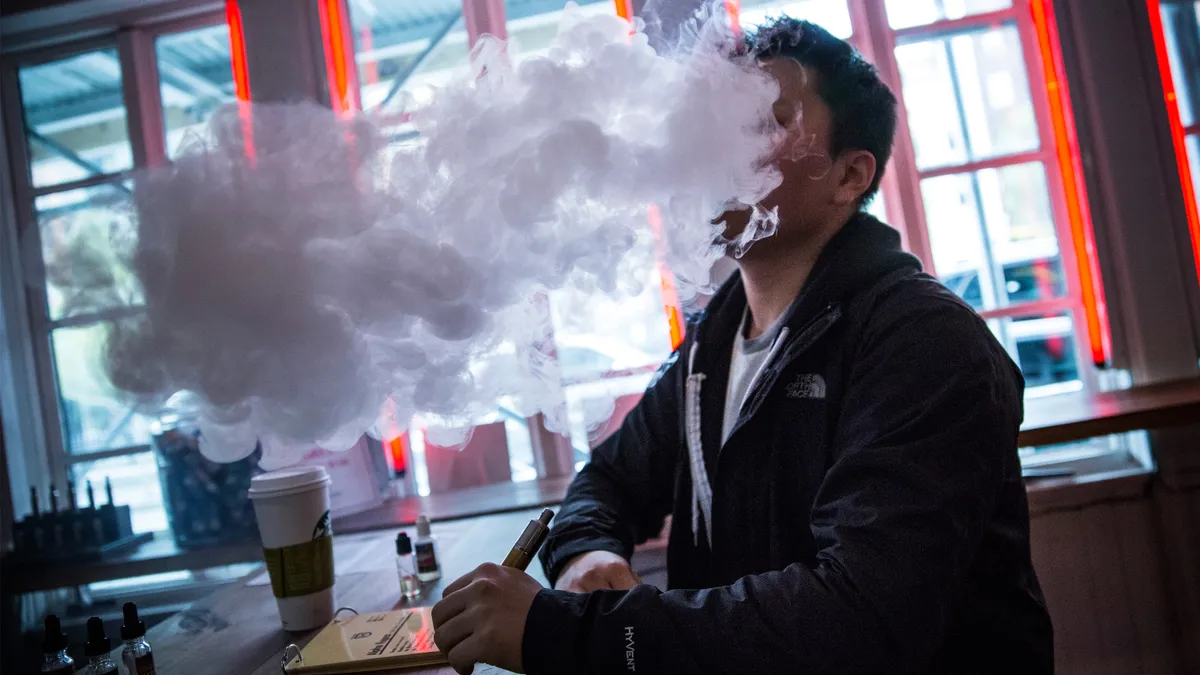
<point x="365" y="643"/>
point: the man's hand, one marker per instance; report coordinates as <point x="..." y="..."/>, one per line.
<point x="481" y="618"/>
<point x="595" y="571"/>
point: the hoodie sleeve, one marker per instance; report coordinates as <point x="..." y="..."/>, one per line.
<point x="927" y="428"/>
<point x="621" y="497"/>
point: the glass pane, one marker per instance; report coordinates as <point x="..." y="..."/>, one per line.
<point x="195" y="77"/>
<point x="405" y="49"/>
<point x="1018" y="259"/>
<point x="1181" y="27"/>
<point x="832" y="15"/>
<point x="907" y="13"/>
<point x="877" y="207"/>
<point x="134" y="483"/>
<point x="595" y="335"/>
<point x="596" y="409"/>
<point x="1193" y="147"/>
<point x="77" y="225"/>
<point x="95" y="416"/>
<point x="531" y="28"/>
<point x="967" y="97"/>
<point x="496" y="448"/>
<point x="75" y="118"/>
<point x="1044" y="348"/>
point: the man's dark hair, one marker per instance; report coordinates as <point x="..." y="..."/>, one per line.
<point x="864" y="109"/>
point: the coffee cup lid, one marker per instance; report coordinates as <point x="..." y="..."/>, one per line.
<point x="287" y="480"/>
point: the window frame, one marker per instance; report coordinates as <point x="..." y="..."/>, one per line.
<point x="141" y="100"/>
<point x="871" y="34"/>
<point x="901" y="187"/>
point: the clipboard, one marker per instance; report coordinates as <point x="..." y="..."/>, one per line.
<point x="364" y="643"/>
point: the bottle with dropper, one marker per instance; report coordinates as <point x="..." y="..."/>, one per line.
<point x="54" y="650"/>
<point x="97" y="650"/>
<point x="406" y="568"/>
<point x="137" y="656"/>
<point x="428" y="568"/>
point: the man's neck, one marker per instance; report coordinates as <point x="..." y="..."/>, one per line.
<point x="773" y="278"/>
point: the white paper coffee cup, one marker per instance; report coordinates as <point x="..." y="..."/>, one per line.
<point x="292" y="506"/>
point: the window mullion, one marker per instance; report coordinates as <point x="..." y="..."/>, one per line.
<point x="1046" y="157"/>
<point x="1039" y="93"/>
<point x="40" y="378"/>
<point x="143" y="105"/>
<point x="33" y="442"/>
<point x="869" y="19"/>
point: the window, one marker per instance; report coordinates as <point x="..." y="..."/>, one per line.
<point x="983" y="187"/>
<point x="194" y="80"/>
<point x="975" y="184"/>
<point x="1181" y="30"/>
<point x="405" y="50"/>
<point x="79" y="143"/>
<point x="832" y="16"/>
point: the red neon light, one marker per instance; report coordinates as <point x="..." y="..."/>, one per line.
<point x="734" y="9"/>
<point x="1069" y="164"/>
<point x="670" y="296"/>
<point x="237" y="50"/>
<point x="397" y="452"/>
<point x="241" y="73"/>
<point x="1177" y="131"/>
<point x="343" y="90"/>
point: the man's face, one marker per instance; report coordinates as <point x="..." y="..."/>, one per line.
<point x="806" y="195"/>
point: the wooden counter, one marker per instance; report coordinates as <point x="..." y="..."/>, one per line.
<point x="1048" y="421"/>
<point x="1077" y="417"/>
<point x="236" y="630"/>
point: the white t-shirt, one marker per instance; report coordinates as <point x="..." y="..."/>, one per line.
<point x="746" y="358"/>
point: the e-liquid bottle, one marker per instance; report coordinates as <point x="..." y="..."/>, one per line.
<point x="97" y="648"/>
<point x="427" y="561"/>
<point x="136" y="656"/>
<point x="406" y="567"/>
<point x="54" y="650"/>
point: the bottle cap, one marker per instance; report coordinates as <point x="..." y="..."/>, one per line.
<point x="403" y="544"/>
<point x="134" y="627"/>
<point x="55" y="640"/>
<point x="97" y="642"/>
<point x="422" y="526"/>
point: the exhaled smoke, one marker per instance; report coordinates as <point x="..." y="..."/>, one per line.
<point x="293" y="290"/>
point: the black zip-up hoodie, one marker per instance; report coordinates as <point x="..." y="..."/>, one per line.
<point x="867" y="511"/>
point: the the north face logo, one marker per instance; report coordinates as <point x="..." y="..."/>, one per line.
<point x="808" y="385"/>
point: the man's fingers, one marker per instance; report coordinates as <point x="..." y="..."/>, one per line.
<point x="623" y="578"/>
<point x="449" y="607"/>
<point x="447" y="635"/>
<point x="459" y="583"/>
<point x="466" y="654"/>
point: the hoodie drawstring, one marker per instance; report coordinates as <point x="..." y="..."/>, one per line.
<point x="701" y="490"/>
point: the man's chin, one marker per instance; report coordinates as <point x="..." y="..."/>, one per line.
<point x="735" y="223"/>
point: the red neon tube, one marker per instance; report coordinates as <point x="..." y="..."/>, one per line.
<point x="241" y="73"/>
<point x="1177" y="131"/>
<point x="670" y="296"/>
<point x="1078" y="211"/>
<point x="343" y="89"/>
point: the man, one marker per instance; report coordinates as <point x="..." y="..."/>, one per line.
<point x="836" y="442"/>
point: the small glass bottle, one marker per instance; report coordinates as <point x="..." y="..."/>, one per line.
<point x="426" y="547"/>
<point x="97" y="648"/>
<point x="137" y="655"/>
<point x="406" y="568"/>
<point x="54" y="650"/>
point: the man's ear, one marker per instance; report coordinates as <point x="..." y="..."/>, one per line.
<point x="857" y="173"/>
